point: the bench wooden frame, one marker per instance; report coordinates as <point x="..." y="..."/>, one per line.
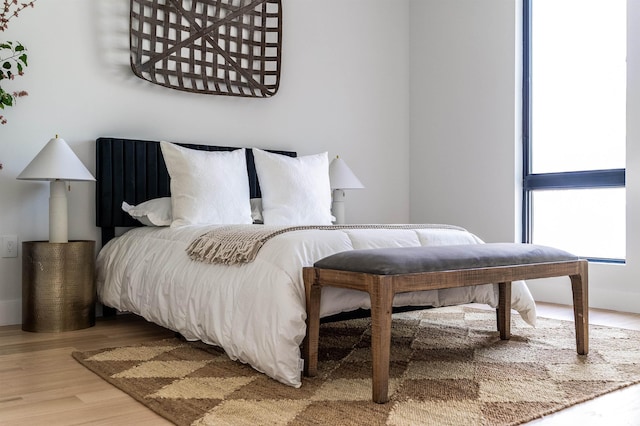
<point x="382" y="289"/>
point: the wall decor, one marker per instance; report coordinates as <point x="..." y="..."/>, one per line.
<point x="221" y="47"/>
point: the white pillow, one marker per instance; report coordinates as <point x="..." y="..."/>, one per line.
<point x="156" y="212"/>
<point x="207" y="187"/>
<point x="295" y="191"/>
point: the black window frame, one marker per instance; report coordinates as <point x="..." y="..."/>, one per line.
<point x="587" y="179"/>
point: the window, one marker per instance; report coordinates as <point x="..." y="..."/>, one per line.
<point x="574" y="126"/>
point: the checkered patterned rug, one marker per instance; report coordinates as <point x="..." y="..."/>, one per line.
<point x="448" y="367"/>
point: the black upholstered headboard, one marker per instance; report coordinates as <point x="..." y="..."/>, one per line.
<point x="134" y="171"/>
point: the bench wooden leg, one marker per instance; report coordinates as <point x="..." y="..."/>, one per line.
<point x="313" y="292"/>
<point x="381" y="293"/>
<point x="504" y="310"/>
<point x="579" y="286"/>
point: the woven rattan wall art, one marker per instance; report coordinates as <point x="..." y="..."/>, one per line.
<point x="222" y="47"/>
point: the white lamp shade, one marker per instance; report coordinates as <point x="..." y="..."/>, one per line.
<point x="56" y="161"/>
<point x="342" y="177"/>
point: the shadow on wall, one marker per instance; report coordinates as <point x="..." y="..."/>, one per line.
<point x="112" y="40"/>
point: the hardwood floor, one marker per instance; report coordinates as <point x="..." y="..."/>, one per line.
<point x="40" y="383"/>
<point x="43" y="385"/>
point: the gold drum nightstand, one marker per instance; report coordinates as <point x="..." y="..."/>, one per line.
<point x="58" y="286"/>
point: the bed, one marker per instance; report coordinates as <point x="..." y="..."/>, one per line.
<point x="254" y="310"/>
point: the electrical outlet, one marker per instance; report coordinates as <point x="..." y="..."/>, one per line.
<point x="9" y="247"/>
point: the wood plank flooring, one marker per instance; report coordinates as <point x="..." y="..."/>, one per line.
<point x="41" y="384"/>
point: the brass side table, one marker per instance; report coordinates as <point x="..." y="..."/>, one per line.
<point x="58" y="286"/>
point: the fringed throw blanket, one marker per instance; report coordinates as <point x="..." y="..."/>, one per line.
<point x="235" y="244"/>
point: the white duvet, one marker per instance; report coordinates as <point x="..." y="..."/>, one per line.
<point x="256" y="311"/>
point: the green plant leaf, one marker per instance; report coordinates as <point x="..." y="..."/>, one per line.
<point x="6" y="65"/>
<point x="6" y="99"/>
<point x="19" y="48"/>
<point x="23" y="58"/>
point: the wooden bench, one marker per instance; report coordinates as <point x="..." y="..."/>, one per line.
<point x="384" y="272"/>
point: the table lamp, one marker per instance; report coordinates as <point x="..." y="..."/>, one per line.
<point x="57" y="163"/>
<point x="341" y="178"/>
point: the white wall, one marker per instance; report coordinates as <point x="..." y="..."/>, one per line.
<point x="465" y="134"/>
<point x="344" y="89"/>
<point x="464" y="116"/>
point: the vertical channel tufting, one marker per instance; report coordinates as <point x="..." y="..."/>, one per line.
<point x="134" y="171"/>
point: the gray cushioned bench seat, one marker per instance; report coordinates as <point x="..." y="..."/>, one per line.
<point x="410" y="260"/>
<point x="384" y="272"/>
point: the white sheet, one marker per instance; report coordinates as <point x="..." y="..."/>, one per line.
<point x="256" y="312"/>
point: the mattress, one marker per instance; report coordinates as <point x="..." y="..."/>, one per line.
<point x="256" y="311"/>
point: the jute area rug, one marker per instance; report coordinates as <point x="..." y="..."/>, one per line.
<point x="449" y="367"/>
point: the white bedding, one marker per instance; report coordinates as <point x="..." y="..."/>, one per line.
<point x="256" y="311"/>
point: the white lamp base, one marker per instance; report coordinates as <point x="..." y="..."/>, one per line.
<point x="58" y="232"/>
<point x="337" y="206"/>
